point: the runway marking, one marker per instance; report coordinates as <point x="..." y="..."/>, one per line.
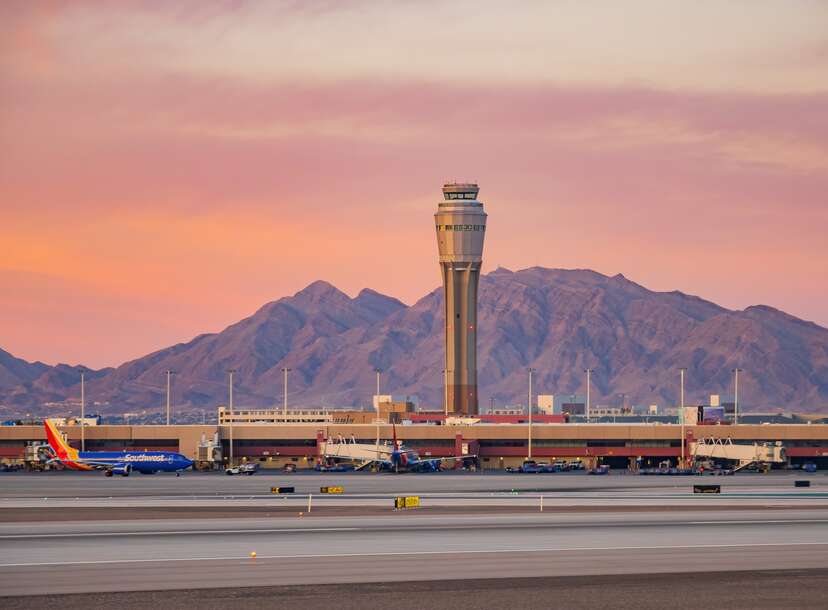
<point x="405" y="527"/>
<point x="418" y="553"/>
<point x="745" y="521"/>
<point x="184" y="532"/>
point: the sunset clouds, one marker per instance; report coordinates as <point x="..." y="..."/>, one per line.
<point x="164" y="171"/>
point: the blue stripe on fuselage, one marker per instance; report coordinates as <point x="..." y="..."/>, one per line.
<point x="139" y="460"/>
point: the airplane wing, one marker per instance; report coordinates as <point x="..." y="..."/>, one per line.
<point x="365" y="465"/>
<point x="369" y="463"/>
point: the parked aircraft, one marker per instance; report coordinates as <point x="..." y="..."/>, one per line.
<point x="396" y="458"/>
<point x="113" y="462"/>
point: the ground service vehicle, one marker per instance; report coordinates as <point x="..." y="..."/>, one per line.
<point x="333" y="467"/>
<point x="533" y="467"/>
<point x="247" y="468"/>
<point x="530" y="467"/>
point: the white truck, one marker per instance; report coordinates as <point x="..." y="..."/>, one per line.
<point x="248" y="468"/>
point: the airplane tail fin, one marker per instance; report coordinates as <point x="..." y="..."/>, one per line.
<point x="394" y="430"/>
<point x="61" y="448"/>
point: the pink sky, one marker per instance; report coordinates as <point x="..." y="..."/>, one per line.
<point x="166" y="171"/>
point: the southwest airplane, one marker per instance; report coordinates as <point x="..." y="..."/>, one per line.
<point x="113" y="462"/>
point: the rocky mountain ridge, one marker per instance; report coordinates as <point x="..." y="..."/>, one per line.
<point x="556" y="321"/>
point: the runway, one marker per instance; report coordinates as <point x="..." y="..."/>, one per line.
<point x="90" y="496"/>
<point x="173" y="555"/>
<point x="64" y="533"/>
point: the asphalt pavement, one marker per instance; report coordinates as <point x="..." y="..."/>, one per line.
<point x="67" y="484"/>
<point x="149" y="556"/>
<point x="62" y="496"/>
<point x="199" y="532"/>
<point x="748" y="590"/>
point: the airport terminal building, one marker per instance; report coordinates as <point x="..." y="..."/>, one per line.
<point x="495" y="445"/>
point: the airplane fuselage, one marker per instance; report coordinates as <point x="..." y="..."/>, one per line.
<point x="146" y="462"/>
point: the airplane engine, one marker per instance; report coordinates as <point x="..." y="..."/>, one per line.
<point x="122" y="470"/>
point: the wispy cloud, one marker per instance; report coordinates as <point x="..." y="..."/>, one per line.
<point x="155" y="152"/>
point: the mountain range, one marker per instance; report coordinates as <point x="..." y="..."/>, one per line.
<point x="558" y="322"/>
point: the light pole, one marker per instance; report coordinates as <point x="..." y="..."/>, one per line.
<point x="681" y="414"/>
<point x="530" y="371"/>
<point x="623" y="399"/>
<point x="83" y="409"/>
<point x="588" y="373"/>
<point x="284" y="408"/>
<point x="169" y="373"/>
<point x="230" y="405"/>
<point x="445" y="390"/>
<point x="378" y="372"/>
<point x="736" y="372"/>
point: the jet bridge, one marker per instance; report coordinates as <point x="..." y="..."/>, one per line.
<point x="745" y="455"/>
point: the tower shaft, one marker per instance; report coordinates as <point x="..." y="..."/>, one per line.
<point x="460" y="282"/>
<point x="461" y="224"/>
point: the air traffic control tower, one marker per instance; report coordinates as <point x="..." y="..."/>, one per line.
<point x="461" y="227"/>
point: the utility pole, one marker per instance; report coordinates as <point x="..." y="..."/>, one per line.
<point x="83" y="409"/>
<point x="736" y="372"/>
<point x="531" y="371"/>
<point x="681" y="415"/>
<point x="284" y="407"/>
<point x="230" y="405"/>
<point x="588" y="373"/>
<point x="169" y="373"/>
